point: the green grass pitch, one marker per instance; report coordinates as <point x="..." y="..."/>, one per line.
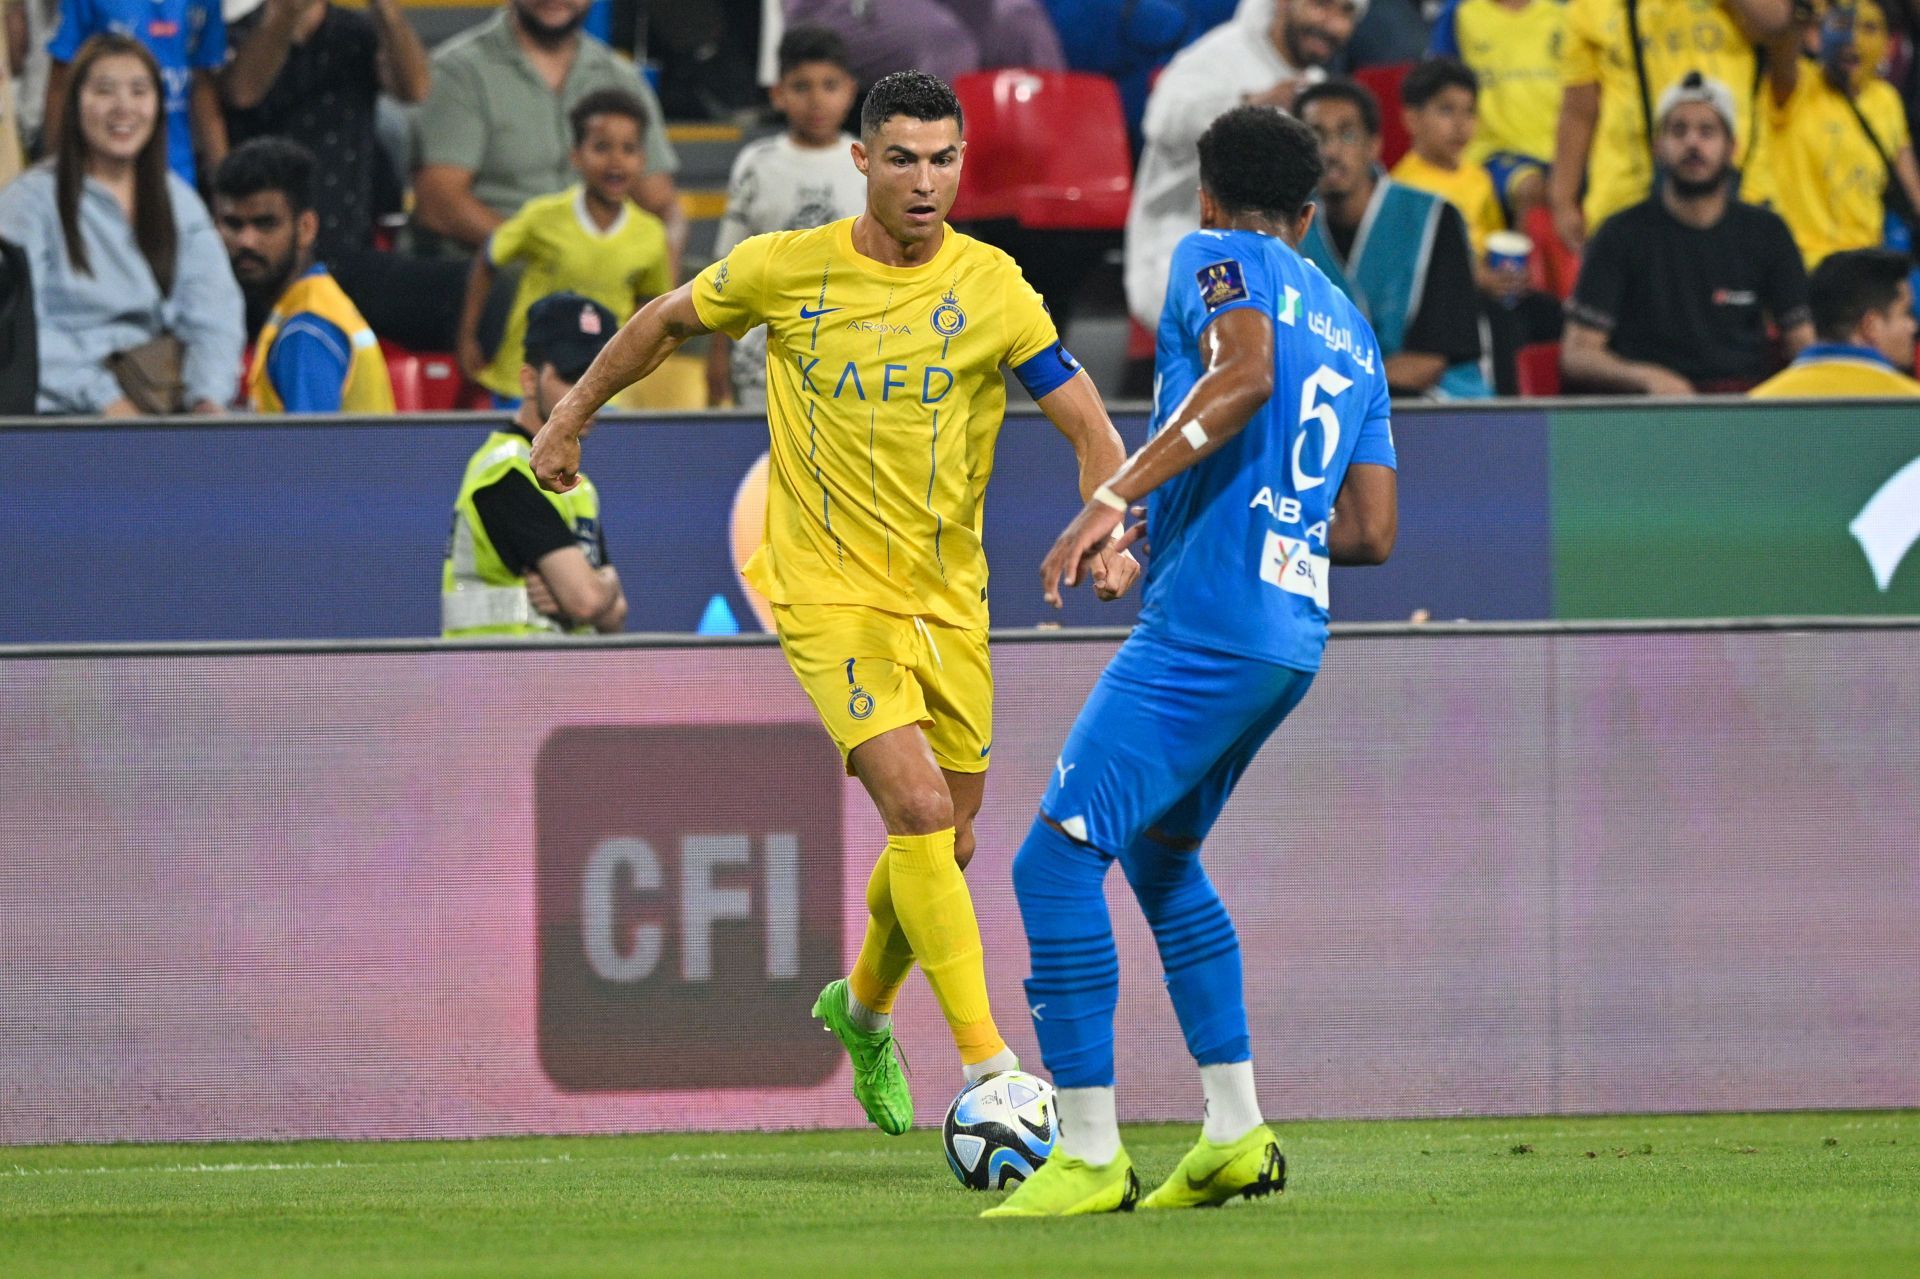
<point x="1773" y="1195"/>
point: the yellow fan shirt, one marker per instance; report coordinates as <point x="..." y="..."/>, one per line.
<point x="884" y="402"/>
<point x="561" y="247"/>
<point x="1467" y="188"/>
<point x="1515" y="54"/>
<point x="1830" y="180"/>
<point x="1679" y="36"/>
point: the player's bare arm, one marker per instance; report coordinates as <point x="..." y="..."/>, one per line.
<point x="642" y="345"/>
<point x="1077" y="412"/>
<point x="1366" y="515"/>
<point x="1239" y="379"/>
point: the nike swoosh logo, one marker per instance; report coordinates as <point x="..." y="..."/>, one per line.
<point x="807" y="314"/>
<point x="985" y="749"/>
<point x="1202" y="1183"/>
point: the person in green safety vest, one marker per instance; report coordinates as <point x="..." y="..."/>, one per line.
<point x="521" y="560"/>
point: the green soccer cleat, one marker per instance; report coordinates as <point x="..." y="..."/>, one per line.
<point x="1068" y="1187"/>
<point x="879" y="1085"/>
<point x="1211" y="1175"/>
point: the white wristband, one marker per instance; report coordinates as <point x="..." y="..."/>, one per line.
<point x="1110" y="499"/>
<point x="1194" y="435"/>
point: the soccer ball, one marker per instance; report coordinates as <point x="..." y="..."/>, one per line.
<point x="1000" y="1129"/>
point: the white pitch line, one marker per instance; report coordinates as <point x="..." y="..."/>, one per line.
<point x="20" y="1170"/>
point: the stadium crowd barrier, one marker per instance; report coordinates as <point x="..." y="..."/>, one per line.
<point x="407" y="889"/>
<point x="334" y="528"/>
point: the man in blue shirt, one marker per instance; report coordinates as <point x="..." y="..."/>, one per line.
<point x="1272" y="458"/>
<point x="188" y="38"/>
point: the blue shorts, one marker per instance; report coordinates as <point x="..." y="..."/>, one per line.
<point x="1162" y="741"/>
<point x="1504" y="167"/>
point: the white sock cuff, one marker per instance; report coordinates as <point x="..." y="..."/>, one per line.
<point x="1233" y="1109"/>
<point x="1089" y="1124"/>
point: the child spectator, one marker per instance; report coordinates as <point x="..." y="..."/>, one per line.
<point x="1838" y="133"/>
<point x="802" y="178"/>
<point x="591" y="239"/>
<point x="1513" y="49"/>
<point x="1438" y="99"/>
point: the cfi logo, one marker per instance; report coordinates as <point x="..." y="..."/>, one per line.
<point x="948" y="318"/>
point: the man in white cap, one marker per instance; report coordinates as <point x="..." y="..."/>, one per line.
<point x="1676" y="292"/>
<point x="1268" y="53"/>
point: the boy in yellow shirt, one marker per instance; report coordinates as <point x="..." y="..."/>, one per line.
<point x="1438" y="101"/>
<point x="591" y="239"/>
<point x="1513" y="49"/>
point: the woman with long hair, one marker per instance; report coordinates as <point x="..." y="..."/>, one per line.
<point x="138" y="309"/>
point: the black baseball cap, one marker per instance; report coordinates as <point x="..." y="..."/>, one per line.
<point x="567" y="330"/>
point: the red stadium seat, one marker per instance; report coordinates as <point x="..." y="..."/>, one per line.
<point x="1555" y="267"/>
<point x="1536" y="369"/>
<point x="425" y="381"/>
<point x="1048" y="150"/>
<point x="1384" y="84"/>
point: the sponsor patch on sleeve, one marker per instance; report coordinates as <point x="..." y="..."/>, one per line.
<point x="1221" y="283"/>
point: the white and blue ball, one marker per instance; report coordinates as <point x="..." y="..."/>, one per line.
<point x="1000" y="1129"/>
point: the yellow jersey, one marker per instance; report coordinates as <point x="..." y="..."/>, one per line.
<point x="561" y="247"/>
<point x="1467" y="188"/>
<point x="1515" y="53"/>
<point x="1835" y="371"/>
<point x="1679" y="36"/>
<point x="884" y="401"/>
<point x="1831" y="180"/>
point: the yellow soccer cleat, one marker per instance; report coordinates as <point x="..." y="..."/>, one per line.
<point x="1068" y="1187"/>
<point x="1211" y="1175"/>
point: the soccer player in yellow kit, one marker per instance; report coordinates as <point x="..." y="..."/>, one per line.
<point x="886" y="334"/>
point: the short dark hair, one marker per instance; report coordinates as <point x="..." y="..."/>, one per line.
<point x="1260" y="160"/>
<point x="1339" y="90"/>
<point x="1847" y="286"/>
<point x="1424" y="83"/>
<point x="805" y="44"/>
<point x="607" y="102"/>
<point x="268" y="164"/>
<point x="913" y="94"/>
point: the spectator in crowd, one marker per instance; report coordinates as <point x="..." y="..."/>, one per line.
<point x="493" y="131"/>
<point x="1676" y="291"/>
<point x="1438" y="100"/>
<point x="1269" y="52"/>
<point x="315" y="353"/>
<point x="523" y="561"/>
<point x="11" y="158"/>
<point x="1862" y="306"/>
<point x="188" y="39"/>
<point x="137" y="308"/>
<point x="1513" y="49"/>
<point x="30" y="24"/>
<point x="804" y="177"/>
<point x="311" y="71"/>
<point x="945" y="38"/>
<point x="591" y="238"/>
<point x="1129" y="40"/>
<point x="1411" y="273"/>
<point x="1606" y="130"/>
<point x="1838" y="133"/>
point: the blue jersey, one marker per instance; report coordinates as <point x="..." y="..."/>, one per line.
<point x="1240" y="540"/>
<point x="184" y="36"/>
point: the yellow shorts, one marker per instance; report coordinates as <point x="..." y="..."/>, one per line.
<point x="870" y="672"/>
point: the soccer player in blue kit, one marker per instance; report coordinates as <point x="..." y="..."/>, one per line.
<point x="1271" y="458"/>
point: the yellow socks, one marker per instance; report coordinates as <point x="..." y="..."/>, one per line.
<point x="935" y="911"/>
<point x="885" y="957"/>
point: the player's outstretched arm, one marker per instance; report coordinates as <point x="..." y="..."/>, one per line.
<point x="1366" y="515"/>
<point x="1238" y="346"/>
<point x="642" y="345"/>
<point x="1077" y="412"/>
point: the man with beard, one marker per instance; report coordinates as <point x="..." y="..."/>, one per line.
<point x="315" y="354"/>
<point x="1268" y="53"/>
<point x="493" y="130"/>
<point x="1676" y="292"/>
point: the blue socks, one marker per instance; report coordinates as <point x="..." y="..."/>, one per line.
<point x="1075" y="984"/>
